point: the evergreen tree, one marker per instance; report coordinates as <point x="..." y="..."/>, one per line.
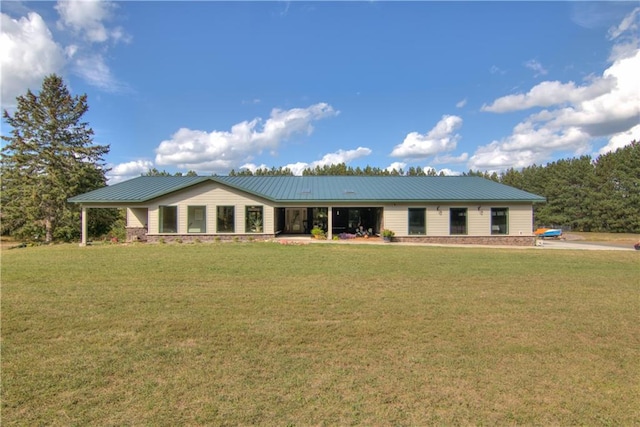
<point x="49" y="156"/>
<point x="156" y="172"/>
<point x="618" y="190"/>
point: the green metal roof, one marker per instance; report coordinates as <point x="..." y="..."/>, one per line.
<point x="138" y="189"/>
<point x="283" y="189"/>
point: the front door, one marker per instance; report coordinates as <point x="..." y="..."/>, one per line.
<point x="295" y="220"/>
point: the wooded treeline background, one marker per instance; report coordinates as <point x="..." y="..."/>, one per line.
<point x="583" y="194"/>
<point x="49" y="156"/>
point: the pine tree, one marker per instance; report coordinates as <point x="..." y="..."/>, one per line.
<point x="49" y="156"/>
<point x="618" y="190"/>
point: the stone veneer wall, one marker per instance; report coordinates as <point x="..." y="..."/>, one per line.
<point x="452" y="240"/>
<point x="136" y="234"/>
<point x="191" y="238"/>
<point x="471" y="240"/>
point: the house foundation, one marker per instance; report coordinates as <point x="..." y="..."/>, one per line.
<point x="136" y="234"/>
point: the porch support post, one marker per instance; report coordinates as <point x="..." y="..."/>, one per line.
<point x="83" y="233"/>
<point x="330" y="224"/>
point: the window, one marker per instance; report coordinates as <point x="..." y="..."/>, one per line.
<point x="197" y="219"/>
<point x="417" y="221"/>
<point x="320" y="218"/>
<point x="168" y="219"/>
<point x="458" y="221"/>
<point x="499" y="220"/>
<point x="355" y="221"/>
<point x="226" y="216"/>
<point x="253" y="219"/>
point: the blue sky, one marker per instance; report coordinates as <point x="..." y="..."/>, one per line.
<point x="453" y="86"/>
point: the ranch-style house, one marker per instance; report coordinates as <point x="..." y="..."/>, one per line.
<point x="452" y="209"/>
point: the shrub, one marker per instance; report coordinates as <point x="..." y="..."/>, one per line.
<point x="388" y="233"/>
<point x="318" y="233"/>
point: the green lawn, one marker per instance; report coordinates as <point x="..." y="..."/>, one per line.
<point x="324" y="334"/>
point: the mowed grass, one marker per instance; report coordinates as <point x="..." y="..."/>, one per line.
<point x="323" y="334"/>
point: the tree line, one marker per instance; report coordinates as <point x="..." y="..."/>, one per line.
<point x="49" y="156"/>
<point x="601" y="195"/>
<point x="338" y="169"/>
<point x="583" y="194"/>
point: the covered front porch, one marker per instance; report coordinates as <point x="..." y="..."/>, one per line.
<point x="332" y="220"/>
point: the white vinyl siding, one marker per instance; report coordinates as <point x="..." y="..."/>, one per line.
<point x="438" y="220"/>
<point x="395" y="218"/>
<point x="478" y="220"/>
<point x="520" y="220"/>
<point x="137" y="217"/>
<point x="211" y="195"/>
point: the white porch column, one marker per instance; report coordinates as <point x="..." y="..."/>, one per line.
<point x="83" y="232"/>
<point x="330" y="224"/>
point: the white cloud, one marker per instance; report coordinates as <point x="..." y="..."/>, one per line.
<point x="284" y="123"/>
<point x="628" y="26"/>
<point x="451" y="159"/>
<point x="575" y="117"/>
<point x="220" y="151"/>
<point x="397" y="166"/>
<point x="297" y="168"/>
<point x="87" y="17"/>
<point x="70" y="51"/>
<point x="550" y="93"/>
<point x="124" y="171"/>
<point x="462" y="103"/>
<point x="621" y="139"/>
<point x="497" y="70"/>
<point x="27" y="54"/>
<point x="94" y="70"/>
<point x="625" y="36"/>
<point x="449" y="172"/>
<point x="444" y="171"/>
<point x="342" y="156"/>
<point x="253" y="167"/>
<point x="442" y="138"/>
<point x="253" y="101"/>
<point x="495" y="157"/>
<point x="337" y="157"/>
<point x="536" y="67"/>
